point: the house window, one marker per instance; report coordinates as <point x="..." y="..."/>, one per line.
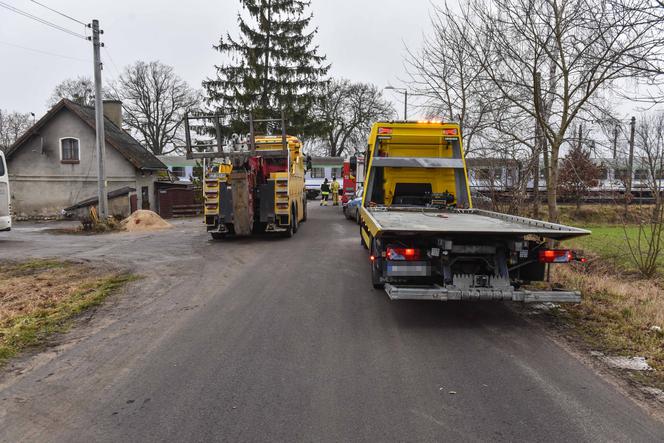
<point x="69" y="151"/>
<point x="178" y="171"/>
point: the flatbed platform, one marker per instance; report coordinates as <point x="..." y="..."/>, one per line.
<point x="465" y="221"/>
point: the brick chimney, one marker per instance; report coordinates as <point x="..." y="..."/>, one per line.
<point x="113" y="111"/>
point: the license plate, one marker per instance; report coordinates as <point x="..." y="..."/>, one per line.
<point x="417" y="269"/>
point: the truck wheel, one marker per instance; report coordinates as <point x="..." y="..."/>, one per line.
<point x="304" y="210"/>
<point x="294" y="221"/>
<point x="375" y="267"/>
<point x="217" y="235"/>
<point x="291" y="228"/>
<point x="357" y="217"/>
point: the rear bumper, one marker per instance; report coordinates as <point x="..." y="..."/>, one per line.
<point x="440" y="293"/>
<point x="5" y="223"/>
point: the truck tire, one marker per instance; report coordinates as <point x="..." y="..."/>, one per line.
<point x="375" y="267"/>
<point x="217" y="235"/>
<point x="294" y="221"/>
<point x="304" y="209"/>
<point x="291" y="227"/>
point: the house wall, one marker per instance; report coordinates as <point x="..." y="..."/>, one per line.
<point x="42" y="186"/>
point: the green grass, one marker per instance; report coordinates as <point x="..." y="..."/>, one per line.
<point x="33" y="329"/>
<point x="611" y="244"/>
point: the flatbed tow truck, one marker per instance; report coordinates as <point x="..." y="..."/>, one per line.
<point x="426" y="240"/>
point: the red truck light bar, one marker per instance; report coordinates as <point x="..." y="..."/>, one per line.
<point x="403" y="254"/>
<point x="556" y="256"/>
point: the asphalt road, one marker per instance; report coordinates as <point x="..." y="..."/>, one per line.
<point x="285" y="340"/>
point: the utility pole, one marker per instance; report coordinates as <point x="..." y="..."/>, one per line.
<point x="630" y="165"/>
<point x="615" y="142"/>
<point x="99" y="123"/>
<point x="405" y="104"/>
<point x="403" y="91"/>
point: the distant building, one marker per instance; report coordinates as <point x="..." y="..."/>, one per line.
<point x="179" y="167"/>
<point x="322" y="168"/>
<point x="53" y="165"/>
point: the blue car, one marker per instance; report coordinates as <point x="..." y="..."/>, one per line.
<point x="352" y="209"/>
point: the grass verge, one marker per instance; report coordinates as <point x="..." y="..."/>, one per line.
<point x="616" y="316"/>
<point x="621" y="312"/>
<point x="42" y="297"/>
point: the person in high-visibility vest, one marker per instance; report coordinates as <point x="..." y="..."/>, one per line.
<point x="324" y="193"/>
<point x="335" y="191"/>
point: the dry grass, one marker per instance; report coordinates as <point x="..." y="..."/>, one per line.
<point x="617" y="313"/>
<point x="40" y="297"/>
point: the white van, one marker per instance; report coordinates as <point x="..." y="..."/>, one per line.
<point x="5" y="208"/>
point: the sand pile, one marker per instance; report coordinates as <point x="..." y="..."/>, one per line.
<point x="143" y="220"/>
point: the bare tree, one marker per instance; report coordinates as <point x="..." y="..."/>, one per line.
<point x="647" y="245"/>
<point x="347" y="112"/>
<point x="446" y="72"/>
<point x="80" y="90"/>
<point x="12" y="126"/>
<point x="553" y="60"/>
<point x="154" y="101"/>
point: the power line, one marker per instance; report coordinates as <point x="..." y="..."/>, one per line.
<point x="115" y="67"/>
<point x="41" y="20"/>
<point x="58" y="12"/>
<point x="45" y="52"/>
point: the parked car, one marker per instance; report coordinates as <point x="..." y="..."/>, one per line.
<point x="352" y="209"/>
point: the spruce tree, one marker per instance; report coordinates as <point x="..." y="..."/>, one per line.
<point x="272" y="66"/>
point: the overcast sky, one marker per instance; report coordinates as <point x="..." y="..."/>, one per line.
<point x="363" y="40"/>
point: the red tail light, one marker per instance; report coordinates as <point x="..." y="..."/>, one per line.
<point x="384" y="131"/>
<point x="451" y="131"/>
<point x="405" y="254"/>
<point x="556" y="256"/>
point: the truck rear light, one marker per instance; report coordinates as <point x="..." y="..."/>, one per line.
<point x="453" y="131"/>
<point x="384" y="131"/>
<point x="403" y="254"/>
<point x="556" y="256"/>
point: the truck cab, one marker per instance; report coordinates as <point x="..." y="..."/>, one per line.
<point x="426" y="240"/>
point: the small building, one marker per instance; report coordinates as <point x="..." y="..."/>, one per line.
<point x="181" y="168"/>
<point x="53" y="165"/>
<point x="322" y="168"/>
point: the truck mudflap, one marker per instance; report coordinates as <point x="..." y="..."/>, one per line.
<point x="440" y="293"/>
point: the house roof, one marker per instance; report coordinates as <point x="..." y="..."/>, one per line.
<point x="178" y="160"/>
<point x="92" y="201"/>
<point x="124" y="143"/>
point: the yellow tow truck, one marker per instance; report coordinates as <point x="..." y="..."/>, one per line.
<point x="426" y="240"/>
<point x="254" y="184"/>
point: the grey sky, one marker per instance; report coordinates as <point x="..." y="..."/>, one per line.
<point x="364" y="40"/>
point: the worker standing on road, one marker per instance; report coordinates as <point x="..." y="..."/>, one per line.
<point x="324" y="193"/>
<point x="335" y="191"/>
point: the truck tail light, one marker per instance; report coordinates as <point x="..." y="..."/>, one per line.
<point x="403" y="254"/>
<point x="556" y="256"/>
<point x="453" y="131"/>
<point x="384" y="131"/>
